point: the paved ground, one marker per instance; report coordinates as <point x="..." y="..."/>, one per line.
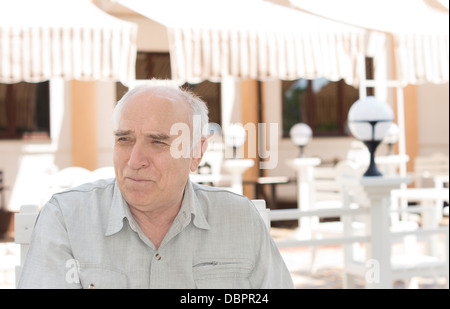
<point x="9" y="258"/>
<point x="328" y="271"/>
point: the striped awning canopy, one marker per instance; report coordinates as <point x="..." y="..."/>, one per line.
<point x="70" y="39"/>
<point x="419" y="28"/>
<point x="252" y="39"/>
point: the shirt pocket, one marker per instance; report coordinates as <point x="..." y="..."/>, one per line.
<point x="93" y="276"/>
<point x="222" y="273"/>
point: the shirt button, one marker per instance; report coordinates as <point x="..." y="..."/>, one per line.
<point x="158" y="256"/>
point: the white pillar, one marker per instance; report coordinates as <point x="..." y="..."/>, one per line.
<point x="305" y="188"/>
<point x="237" y="167"/>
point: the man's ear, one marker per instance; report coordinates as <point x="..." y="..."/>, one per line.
<point x="198" y="153"/>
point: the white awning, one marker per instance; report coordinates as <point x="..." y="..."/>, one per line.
<point x="252" y="39"/>
<point x="71" y="39"/>
<point x="420" y="30"/>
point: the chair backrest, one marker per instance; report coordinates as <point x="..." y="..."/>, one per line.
<point x="326" y="186"/>
<point x="103" y="173"/>
<point x="24" y="222"/>
<point x="428" y="167"/>
<point x="71" y="177"/>
<point x="263" y="211"/>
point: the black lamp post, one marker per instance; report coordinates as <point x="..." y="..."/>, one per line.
<point x="372" y="146"/>
<point x="369" y="121"/>
<point x="391" y="138"/>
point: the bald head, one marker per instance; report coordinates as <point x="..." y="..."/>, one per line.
<point x="179" y="96"/>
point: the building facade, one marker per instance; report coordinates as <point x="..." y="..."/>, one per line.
<point x="79" y="131"/>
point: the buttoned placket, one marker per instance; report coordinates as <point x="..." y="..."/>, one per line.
<point x="158" y="264"/>
<point x="157" y="261"/>
<point x="157" y="269"/>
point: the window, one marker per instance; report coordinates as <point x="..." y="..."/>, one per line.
<point x="157" y="65"/>
<point x="153" y="65"/>
<point x="24" y="110"/>
<point x="210" y="93"/>
<point x="148" y="66"/>
<point x="320" y="103"/>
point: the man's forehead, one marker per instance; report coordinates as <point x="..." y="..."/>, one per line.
<point x="129" y="126"/>
<point x="154" y="125"/>
<point x="158" y="103"/>
<point x="160" y="94"/>
<point x="156" y="107"/>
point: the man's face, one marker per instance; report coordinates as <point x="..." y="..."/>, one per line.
<point x="149" y="177"/>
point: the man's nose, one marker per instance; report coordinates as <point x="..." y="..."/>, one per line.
<point x="139" y="157"/>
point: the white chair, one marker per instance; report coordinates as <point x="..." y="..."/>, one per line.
<point x="328" y="195"/>
<point x="103" y="173"/>
<point x="24" y="222"/>
<point x="213" y="158"/>
<point x="407" y="265"/>
<point x="334" y="199"/>
<point x="263" y="211"/>
<point x="430" y="209"/>
<point x="71" y="176"/>
<point x="427" y="168"/>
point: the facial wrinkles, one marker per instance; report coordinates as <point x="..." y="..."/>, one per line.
<point x="146" y="156"/>
<point x="146" y="127"/>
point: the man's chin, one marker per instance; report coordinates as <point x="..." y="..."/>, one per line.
<point x="139" y="203"/>
<point x="139" y="194"/>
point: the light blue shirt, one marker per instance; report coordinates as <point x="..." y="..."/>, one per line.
<point x="86" y="237"/>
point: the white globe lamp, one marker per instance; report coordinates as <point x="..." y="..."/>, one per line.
<point x="301" y="135"/>
<point x="235" y="137"/>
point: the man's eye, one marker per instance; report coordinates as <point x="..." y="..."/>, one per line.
<point x="123" y="139"/>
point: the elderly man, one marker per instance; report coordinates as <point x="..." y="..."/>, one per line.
<point x="151" y="227"/>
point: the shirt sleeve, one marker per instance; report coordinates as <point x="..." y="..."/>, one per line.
<point x="49" y="262"/>
<point x="270" y="271"/>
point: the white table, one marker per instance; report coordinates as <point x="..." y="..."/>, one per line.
<point x="430" y="199"/>
<point x="431" y="202"/>
<point x="375" y="195"/>
<point x="380" y="267"/>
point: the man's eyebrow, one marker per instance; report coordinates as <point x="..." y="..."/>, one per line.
<point x="158" y="136"/>
<point x="122" y="132"/>
<point x="155" y="136"/>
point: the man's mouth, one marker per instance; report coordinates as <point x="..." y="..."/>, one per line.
<point x="138" y="180"/>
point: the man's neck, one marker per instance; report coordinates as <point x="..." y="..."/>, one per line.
<point x="156" y="223"/>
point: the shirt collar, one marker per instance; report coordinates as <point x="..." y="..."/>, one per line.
<point x="119" y="210"/>
<point x="190" y="198"/>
